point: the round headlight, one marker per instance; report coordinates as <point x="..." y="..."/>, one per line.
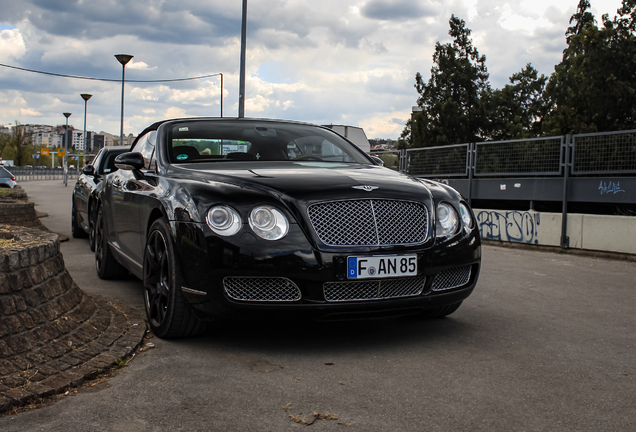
<point x="223" y="220"/>
<point x="447" y="220"/>
<point x="465" y="214"/>
<point x="268" y="223"/>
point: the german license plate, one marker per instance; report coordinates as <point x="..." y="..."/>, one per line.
<point x="381" y="266"/>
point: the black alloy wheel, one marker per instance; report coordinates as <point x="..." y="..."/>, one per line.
<point x="168" y="312"/>
<point x="105" y="263"/>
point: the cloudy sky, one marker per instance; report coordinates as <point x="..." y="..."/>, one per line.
<point x="347" y="62"/>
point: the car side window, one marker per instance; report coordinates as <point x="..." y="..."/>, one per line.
<point x="109" y="164"/>
<point x="146" y="146"/>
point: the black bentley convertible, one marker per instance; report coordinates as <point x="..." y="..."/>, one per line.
<point x="243" y="218"/>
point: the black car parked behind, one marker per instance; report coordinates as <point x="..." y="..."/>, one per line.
<point x="87" y="189"/>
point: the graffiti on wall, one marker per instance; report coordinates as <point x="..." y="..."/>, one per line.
<point x="514" y="226"/>
<point x="610" y="188"/>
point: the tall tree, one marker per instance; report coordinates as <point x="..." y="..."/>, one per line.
<point x="580" y="19"/>
<point x="20" y="145"/>
<point x="453" y="99"/>
<point x="593" y="89"/>
<point x="516" y="110"/>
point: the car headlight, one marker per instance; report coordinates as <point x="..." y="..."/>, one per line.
<point x="223" y="220"/>
<point x="268" y="223"/>
<point x="465" y="214"/>
<point x="447" y="220"/>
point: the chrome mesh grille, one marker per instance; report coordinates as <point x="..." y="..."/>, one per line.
<point x="369" y="222"/>
<point x="452" y="278"/>
<point x="373" y="289"/>
<point x="261" y="289"/>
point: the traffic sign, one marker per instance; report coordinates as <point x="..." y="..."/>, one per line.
<point x="44" y="151"/>
<point x="60" y="153"/>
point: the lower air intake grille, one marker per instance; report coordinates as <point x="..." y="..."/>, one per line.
<point x="373" y="289"/>
<point x="261" y="289"/>
<point x="452" y="278"/>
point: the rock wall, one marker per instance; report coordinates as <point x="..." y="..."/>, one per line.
<point x="15" y="210"/>
<point x="52" y="335"/>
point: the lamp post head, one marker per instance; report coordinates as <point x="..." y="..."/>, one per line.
<point x="123" y="58"/>
<point x="67" y="115"/>
<point x="86" y="96"/>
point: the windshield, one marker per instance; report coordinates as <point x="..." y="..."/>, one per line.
<point x="251" y="140"/>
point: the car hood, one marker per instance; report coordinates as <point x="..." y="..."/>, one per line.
<point x="310" y="181"/>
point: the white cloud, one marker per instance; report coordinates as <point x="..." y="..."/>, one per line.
<point x="139" y="65"/>
<point x="11" y="44"/>
<point x="334" y="61"/>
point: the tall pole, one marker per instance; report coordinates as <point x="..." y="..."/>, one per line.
<point x="123" y="59"/>
<point x="221" y="95"/>
<point x="65" y="160"/>
<point x="86" y="97"/>
<point x="241" y="112"/>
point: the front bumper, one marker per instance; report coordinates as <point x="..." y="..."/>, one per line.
<point x="206" y="260"/>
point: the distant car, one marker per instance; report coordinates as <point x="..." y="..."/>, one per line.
<point x="245" y="218"/>
<point x="86" y="192"/>
<point x="7" y="180"/>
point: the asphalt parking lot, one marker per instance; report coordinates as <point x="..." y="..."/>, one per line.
<point x="545" y="343"/>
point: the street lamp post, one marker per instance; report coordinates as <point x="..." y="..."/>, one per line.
<point x="123" y="59"/>
<point x="65" y="160"/>
<point x="221" y="94"/>
<point x="241" y="112"/>
<point x="86" y="97"/>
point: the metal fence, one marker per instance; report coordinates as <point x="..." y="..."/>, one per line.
<point x="604" y="153"/>
<point x="40" y="173"/>
<point x="537" y="156"/>
<point x="443" y="161"/>
<point x="597" y="153"/>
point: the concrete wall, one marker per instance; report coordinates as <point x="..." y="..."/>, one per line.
<point x="591" y="232"/>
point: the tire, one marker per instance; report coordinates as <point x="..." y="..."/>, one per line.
<point x="168" y="312"/>
<point x="76" y="230"/>
<point x="442" y="311"/>
<point x="105" y="263"/>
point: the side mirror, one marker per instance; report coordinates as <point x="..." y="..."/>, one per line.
<point x="129" y="161"/>
<point x="88" y="170"/>
<point x="376" y="160"/>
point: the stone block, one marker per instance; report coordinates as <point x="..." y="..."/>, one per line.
<point x="24" y="258"/>
<point x="26" y="319"/>
<point x="13" y="324"/>
<point x="18" y="394"/>
<point x="6" y="367"/>
<point x="20" y="305"/>
<point x="5" y="351"/>
<point x="7" y="305"/>
<point x="38" y="317"/>
<point x="31" y="298"/>
<point x="25" y="276"/>
<point x="5" y="286"/>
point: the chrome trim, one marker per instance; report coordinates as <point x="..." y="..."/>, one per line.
<point x="126" y="257"/>
<point x="193" y="291"/>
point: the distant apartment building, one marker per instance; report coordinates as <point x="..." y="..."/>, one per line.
<point x="109" y="139"/>
<point x="98" y="142"/>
